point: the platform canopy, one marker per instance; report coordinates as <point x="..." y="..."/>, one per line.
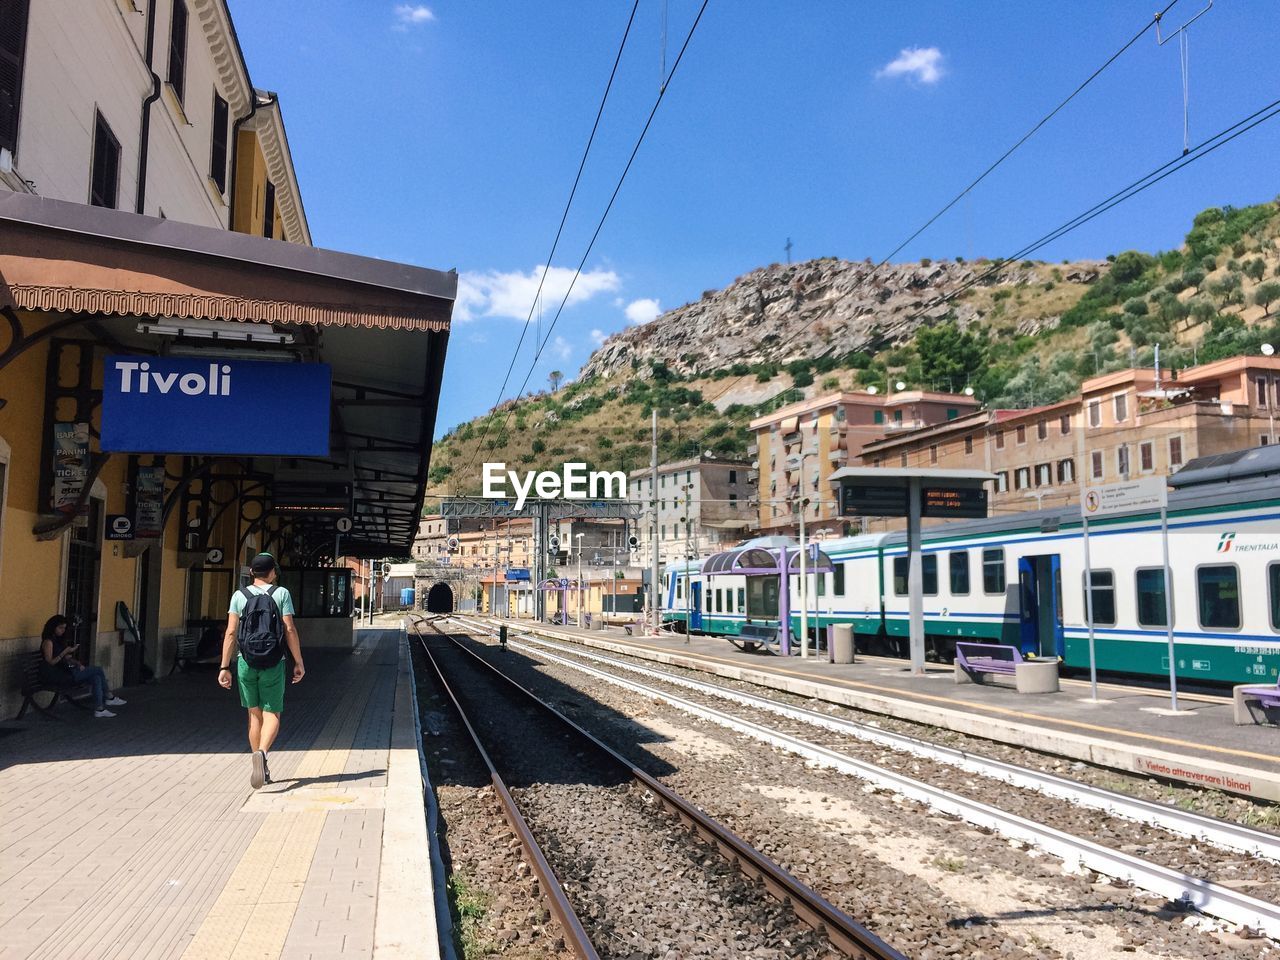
<point x="148" y="286"/>
<point x="761" y="561"/>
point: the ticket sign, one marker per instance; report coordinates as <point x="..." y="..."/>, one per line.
<point x="955" y="502"/>
<point x="197" y="405"/>
<point x="873" y="500"/>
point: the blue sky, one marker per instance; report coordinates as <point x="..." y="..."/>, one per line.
<point x="446" y="134"/>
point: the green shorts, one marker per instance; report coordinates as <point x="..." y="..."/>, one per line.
<point x="261" y="688"/>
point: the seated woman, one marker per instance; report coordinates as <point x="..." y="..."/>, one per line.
<point x="59" y="665"/>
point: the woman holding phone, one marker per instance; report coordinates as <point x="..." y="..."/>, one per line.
<point x="59" y="664"/>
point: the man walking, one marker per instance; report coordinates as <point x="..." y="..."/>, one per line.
<point x="259" y="624"/>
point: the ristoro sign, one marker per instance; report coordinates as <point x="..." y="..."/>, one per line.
<point x="192" y="405"/>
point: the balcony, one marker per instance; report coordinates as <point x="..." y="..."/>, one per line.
<point x="901" y="426"/>
<point x="753" y="450"/>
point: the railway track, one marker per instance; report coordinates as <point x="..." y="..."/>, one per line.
<point x="1218" y="900"/>
<point x="497" y="736"/>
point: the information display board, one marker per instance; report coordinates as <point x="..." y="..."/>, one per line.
<point x="873" y="500"/>
<point x="954" y="502"/>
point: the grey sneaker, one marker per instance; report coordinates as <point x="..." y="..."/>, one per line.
<point x="259" y="774"/>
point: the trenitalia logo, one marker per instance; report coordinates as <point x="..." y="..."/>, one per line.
<point x="573" y="483"/>
<point x="1227" y="544"/>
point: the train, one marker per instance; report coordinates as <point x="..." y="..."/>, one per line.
<point x="1019" y="580"/>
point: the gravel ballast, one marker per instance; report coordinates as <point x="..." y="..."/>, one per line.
<point x="930" y="885"/>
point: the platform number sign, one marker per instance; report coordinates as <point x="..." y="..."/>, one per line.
<point x="343" y="524"/>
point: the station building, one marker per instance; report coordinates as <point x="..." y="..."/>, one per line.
<point x="180" y="389"/>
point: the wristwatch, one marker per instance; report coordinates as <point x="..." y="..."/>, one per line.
<point x="220" y="669"/>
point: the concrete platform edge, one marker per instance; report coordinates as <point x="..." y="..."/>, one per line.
<point x="405" y="927"/>
<point x="1116" y="755"/>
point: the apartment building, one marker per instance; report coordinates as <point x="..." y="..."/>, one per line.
<point x="825" y="434"/>
<point x="703" y="505"/>
<point x="1121" y="425"/>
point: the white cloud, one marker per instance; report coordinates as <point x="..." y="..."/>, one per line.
<point x="922" y="64"/>
<point x="497" y="294"/>
<point x="412" y="15"/>
<point x="642" y="311"/>
<point x="560" y="348"/>
<point x="598" y="337"/>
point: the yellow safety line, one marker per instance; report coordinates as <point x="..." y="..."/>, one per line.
<point x="955" y="704"/>
<point x="251" y="918"/>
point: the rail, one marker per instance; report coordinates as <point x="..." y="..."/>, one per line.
<point x="845" y="933"/>
<point x="575" y="937"/>
<point x="1203" y="895"/>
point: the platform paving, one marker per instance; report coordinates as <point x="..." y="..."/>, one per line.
<point x="1126" y="731"/>
<point x="140" y="836"/>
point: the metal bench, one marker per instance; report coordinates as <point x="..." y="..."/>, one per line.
<point x="753" y="636"/>
<point x="186" y="647"/>
<point x="975" y="659"/>
<point x="1265" y="695"/>
<point x="34" y="682"/>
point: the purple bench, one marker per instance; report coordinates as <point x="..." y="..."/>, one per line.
<point x="1267" y="695"/>
<point x="975" y="659"/>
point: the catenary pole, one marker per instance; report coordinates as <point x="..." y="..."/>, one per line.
<point x="1168" y="608"/>
<point x="655" y="593"/>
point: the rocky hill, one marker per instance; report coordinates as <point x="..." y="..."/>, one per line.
<point x="781" y="313"/>
<point x="1025" y="336"/>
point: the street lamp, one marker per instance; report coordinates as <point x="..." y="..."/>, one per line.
<point x="1267" y="350"/>
<point x="793" y="461"/>
<point x="578" y="537"/>
<point x="1039" y="496"/>
<point x="688" y="560"/>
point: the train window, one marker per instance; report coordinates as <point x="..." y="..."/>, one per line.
<point x="1218" y="592"/>
<point x="928" y="570"/>
<point x="742" y="599"/>
<point x="1273" y="593"/>
<point x="1150" y="581"/>
<point x="820" y="582"/>
<point x="1104" y="597"/>
<point x="993" y="570"/>
<point x="839" y="580"/>
<point x="959" y="566"/>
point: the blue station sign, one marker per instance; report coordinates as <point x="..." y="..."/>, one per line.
<point x="194" y="405"/>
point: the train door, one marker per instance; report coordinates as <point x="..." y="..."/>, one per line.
<point x="1040" y="605"/>
<point x="695" y="609"/>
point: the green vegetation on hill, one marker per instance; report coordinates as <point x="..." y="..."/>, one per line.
<point x="1020" y="344"/>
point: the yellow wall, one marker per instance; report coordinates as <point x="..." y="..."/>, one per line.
<point x="251" y="189"/>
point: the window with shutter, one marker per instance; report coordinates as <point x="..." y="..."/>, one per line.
<point x="178" y="48"/>
<point x="218" y="147"/>
<point x="104" y="176"/>
<point x="13" y="43"/>
<point x="269" y="211"/>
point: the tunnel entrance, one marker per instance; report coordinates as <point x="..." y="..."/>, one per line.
<point x="440" y="599"/>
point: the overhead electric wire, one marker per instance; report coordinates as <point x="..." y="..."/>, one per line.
<point x="569" y="203"/>
<point x="599" y="226"/>
<point x="1201" y="150"/>
<point x="991" y="168"/>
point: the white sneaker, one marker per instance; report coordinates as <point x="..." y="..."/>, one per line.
<point x="116" y="702"/>
<point x="103" y="713"/>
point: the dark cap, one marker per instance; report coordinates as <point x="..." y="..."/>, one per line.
<point x="262" y="564"/>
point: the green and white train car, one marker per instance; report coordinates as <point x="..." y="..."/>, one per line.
<point x="1020" y="580"/>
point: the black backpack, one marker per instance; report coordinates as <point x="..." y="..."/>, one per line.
<point x="261" y="634"/>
